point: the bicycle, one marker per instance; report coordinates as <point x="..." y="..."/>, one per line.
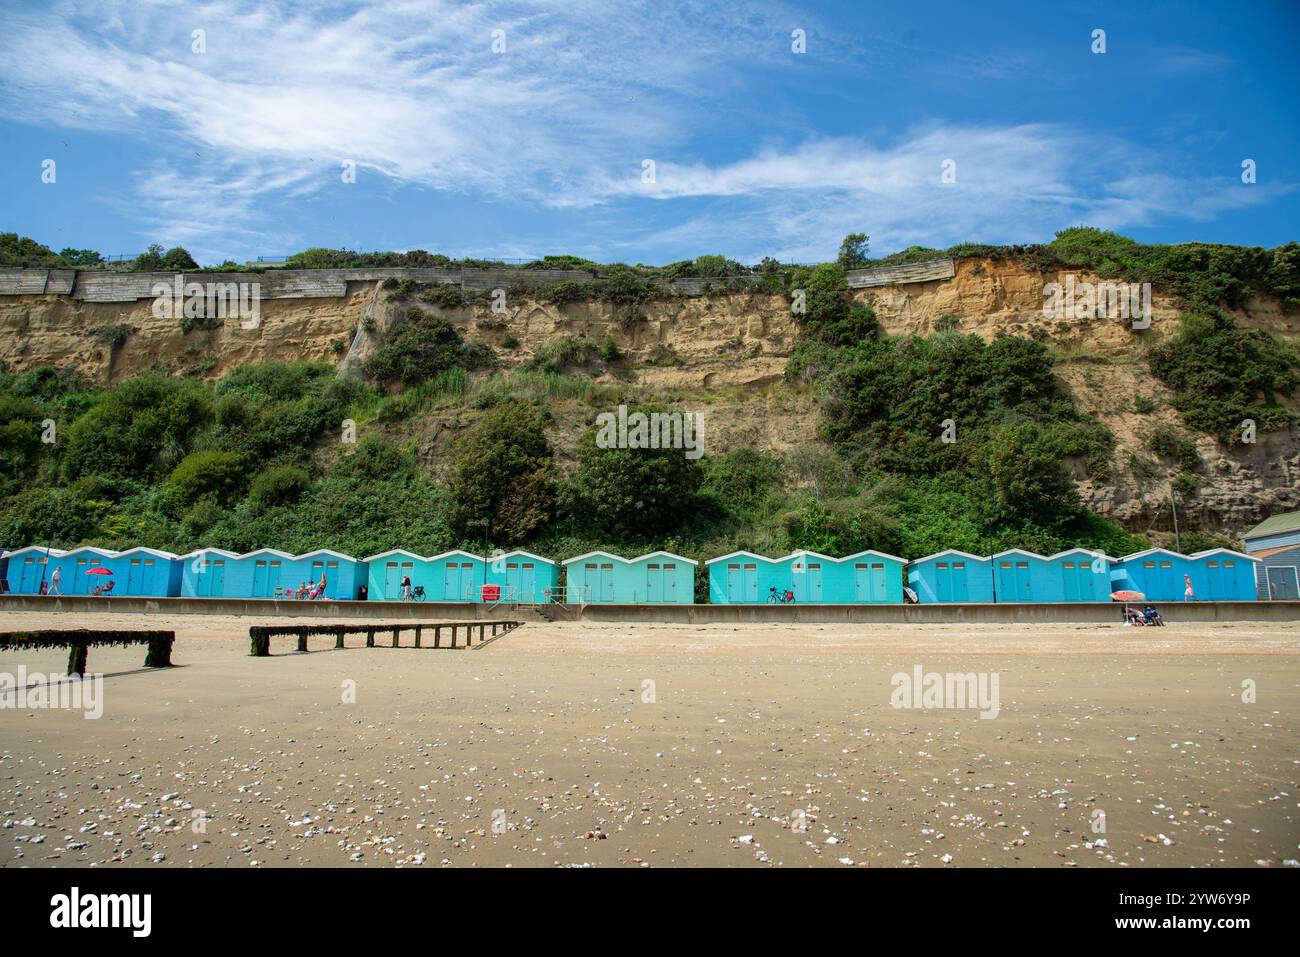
<point x="783" y="598"/>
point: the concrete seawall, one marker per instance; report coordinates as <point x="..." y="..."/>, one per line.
<point x="1099" y="612"/>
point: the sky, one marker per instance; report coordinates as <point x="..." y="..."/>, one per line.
<point x="643" y="131"/>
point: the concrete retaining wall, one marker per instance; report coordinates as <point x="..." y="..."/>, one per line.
<point x="1101" y="612"/>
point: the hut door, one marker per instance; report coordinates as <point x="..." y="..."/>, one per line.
<point x="1071" y="581"/>
<point x="259" y="580"/>
<point x="750" y="580"/>
<point x="814" y="577"/>
<point x="862" y="583"/>
<point x="654" y="583"/>
<point x="217" y="579"/>
<point x="272" y="578"/>
<point x="527" y="590"/>
<point x="1283" y="583"/>
<point x="669" y="588"/>
<point x="959" y="590"/>
<point x="943" y="581"/>
<point x="607" y="582"/>
<point x="78" y="577"/>
<point x="29" y="576"/>
<point x="735" y="584"/>
<point x="133" y="576"/>
<point x="1228" y="584"/>
<point x="451" y="581"/>
<point x="391" y="581"/>
<point x="149" y="583"/>
<point x="332" y="583"/>
<point x="1214" y="584"/>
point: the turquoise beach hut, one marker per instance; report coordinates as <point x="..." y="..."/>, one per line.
<point x="951" y="576"/>
<point x="1218" y="574"/>
<point x="1077" y="574"/>
<point x="455" y="576"/>
<point x="746" y="578"/>
<point x="30" y="566"/>
<point x="203" y="572"/>
<point x="656" y="578"/>
<point x="523" y="576"/>
<point x="385" y="571"/>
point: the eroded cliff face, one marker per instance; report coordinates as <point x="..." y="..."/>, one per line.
<point x="728" y="352"/>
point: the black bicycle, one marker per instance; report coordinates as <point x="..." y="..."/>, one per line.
<point x="417" y="594"/>
<point x="779" y="598"/>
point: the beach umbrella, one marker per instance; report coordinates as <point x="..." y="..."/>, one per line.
<point x="1126" y="595"/>
<point x="98" y="570"/>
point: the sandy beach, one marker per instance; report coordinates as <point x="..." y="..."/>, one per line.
<point x="650" y="745"/>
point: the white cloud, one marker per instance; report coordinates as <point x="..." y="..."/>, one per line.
<point x="412" y="92"/>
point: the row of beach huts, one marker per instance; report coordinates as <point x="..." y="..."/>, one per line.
<point x="661" y="577"/>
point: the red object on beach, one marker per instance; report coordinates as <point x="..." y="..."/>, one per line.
<point x="1127" y="596"/>
<point x="491" y="592"/>
<point x="98" y="570"/>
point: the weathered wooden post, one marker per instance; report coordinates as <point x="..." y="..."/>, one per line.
<point x="78" y="651"/>
<point x="302" y="640"/>
<point x="259" y="642"/>
<point x="395" y="633"/>
<point x="370" y="637"/>
<point x="338" y="638"/>
<point x="437" y="636"/>
<point x="159" y="650"/>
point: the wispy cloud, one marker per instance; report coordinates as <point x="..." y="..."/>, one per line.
<point x="414" y="94"/>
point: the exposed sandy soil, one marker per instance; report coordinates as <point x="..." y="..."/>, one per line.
<point x="751" y="731"/>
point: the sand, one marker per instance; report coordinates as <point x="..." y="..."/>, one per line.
<point x="654" y="745"/>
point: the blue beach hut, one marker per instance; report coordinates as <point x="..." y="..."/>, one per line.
<point x="203" y="573"/>
<point x="951" y="576"/>
<point x="659" y="578"/>
<point x="1228" y="575"/>
<point x="30" y="566"/>
<point x="385" y="571"/>
<point x="455" y="576"/>
<point x="523" y="576"/>
<point x="1085" y="574"/>
<point x="1155" y="572"/>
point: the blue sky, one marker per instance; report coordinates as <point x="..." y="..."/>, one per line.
<point x="540" y="148"/>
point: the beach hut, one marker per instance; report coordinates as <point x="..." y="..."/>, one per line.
<point x="746" y="578"/>
<point x="30" y="566"/>
<point x="1158" y="574"/>
<point x="523" y="576"/>
<point x="1227" y="575"/>
<point x="1275" y="542"/>
<point x="344" y="575"/>
<point x="1077" y="574"/>
<point x="455" y="576"/>
<point x="1217" y="574"/>
<point x="385" y="571"/>
<point x="657" y="578"/>
<point x="75" y="565"/>
<point x="1020" y="576"/>
<point x="1085" y="575"/>
<point x="203" y="573"/>
<point x="137" y="571"/>
<point x="951" y="576"/>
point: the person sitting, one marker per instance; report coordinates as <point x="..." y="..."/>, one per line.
<point x="1152" y="616"/>
<point x="1133" y="617"/>
<point x="301" y="593"/>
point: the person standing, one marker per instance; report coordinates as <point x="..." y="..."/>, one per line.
<point x="406" y="588"/>
<point x="1188" y="594"/>
<point x="56" y="580"/>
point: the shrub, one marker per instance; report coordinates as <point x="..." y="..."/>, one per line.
<point x="220" y="476"/>
<point x="421" y="346"/>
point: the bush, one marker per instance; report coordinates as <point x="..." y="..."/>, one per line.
<point x="500" y="477"/>
<point x="421" y="346"/>
<point x="278" y="485"/>
<point x="1221" y="375"/>
<point x="219" y="476"/>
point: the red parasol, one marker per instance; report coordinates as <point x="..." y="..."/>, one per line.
<point x="98" y="570"/>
